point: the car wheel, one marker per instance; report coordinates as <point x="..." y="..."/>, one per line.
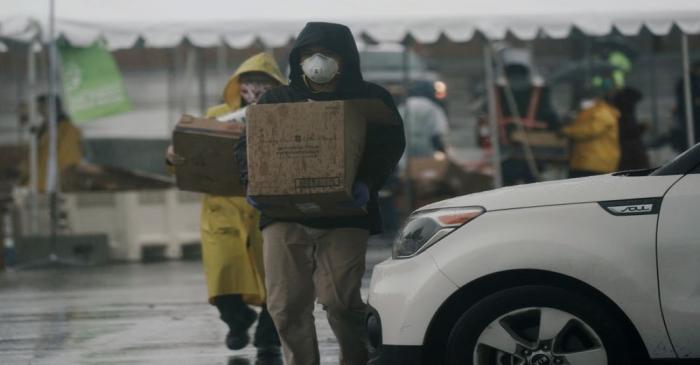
<point x="537" y="325"/>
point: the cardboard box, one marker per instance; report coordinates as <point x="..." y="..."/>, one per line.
<point x="546" y="146"/>
<point x="427" y="175"/>
<point x="303" y="157"/>
<point x="208" y="146"/>
<point x="539" y="138"/>
<point x="461" y="181"/>
<point x="431" y="177"/>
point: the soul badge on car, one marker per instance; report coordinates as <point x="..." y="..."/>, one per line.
<point x="632" y="207"/>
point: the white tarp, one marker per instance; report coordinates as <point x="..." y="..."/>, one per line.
<point x="205" y="23"/>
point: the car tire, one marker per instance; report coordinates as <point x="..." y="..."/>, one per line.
<point x="538" y="325"/>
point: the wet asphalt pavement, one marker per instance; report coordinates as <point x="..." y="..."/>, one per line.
<point x="126" y="314"/>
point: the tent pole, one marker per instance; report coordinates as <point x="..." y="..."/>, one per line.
<point x="52" y="168"/>
<point x="202" y="80"/>
<point x="654" y="83"/>
<point x="51" y="174"/>
<point x="493" y="122"/>
<point x="406" y="68"/>
<point x="172" y="86"/>
<point x="221" y="65"/>
<point x="690" y="132"/>
<point x="33" y="171"/>
<point x="185" y="83"/>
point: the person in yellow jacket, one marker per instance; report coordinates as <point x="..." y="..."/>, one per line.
<point x="68" y="144"/>
<point x="231" y="239"/>
<point x="596" y="141"/>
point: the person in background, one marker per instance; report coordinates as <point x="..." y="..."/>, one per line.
<point x="231" y="239"/>
<point x="324" y="257"/>
<point x="425" y="121"/>
<point x="633" y="152"/>
<point x="595" y="134"/>
<point x="679" y="132"/>
<point x="534" y="107"/>
<point x="618" y="54"/>
<point x="69" y="154"/>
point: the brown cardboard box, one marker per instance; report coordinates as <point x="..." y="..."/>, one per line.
<point x="431" y="178"/>
<point x="545" y="145"/>
<point x="303" y="157"/>
<point x="461" y="181"/>
<point x="207" y="146"/>
<point x="427" y="175"/>
<point x="540" y="138"/>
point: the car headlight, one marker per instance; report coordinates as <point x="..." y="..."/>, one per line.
<point x="423" y="229"/>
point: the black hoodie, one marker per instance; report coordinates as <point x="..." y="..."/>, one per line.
<point x="384" y="144"/>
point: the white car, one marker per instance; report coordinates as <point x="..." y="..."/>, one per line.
<point x="599" y="270"/>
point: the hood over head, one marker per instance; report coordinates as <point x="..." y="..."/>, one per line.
<point x="261" y="62"/>
<point x="626" y="98"/>
<point x="423" y="89"/>
<point x="339" y="39"/>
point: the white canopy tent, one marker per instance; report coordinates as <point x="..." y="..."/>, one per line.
<point x="209" y="23"/>
<point x="206" y="23"/>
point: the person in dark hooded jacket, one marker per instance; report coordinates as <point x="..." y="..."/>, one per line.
<point x="324" y="257"/>
<point x="633" y="152"/>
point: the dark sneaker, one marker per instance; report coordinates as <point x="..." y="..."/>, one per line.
<point x="237" y="337"/>
<point x="266" y="334"/>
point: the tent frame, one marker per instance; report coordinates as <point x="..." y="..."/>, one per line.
<point x="53" y="185"/>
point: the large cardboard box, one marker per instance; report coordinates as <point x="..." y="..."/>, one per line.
<point x="209" y="165"/>
<point x="303" y="157"/>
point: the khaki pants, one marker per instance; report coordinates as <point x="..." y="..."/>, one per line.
<point x="302" y="264"/>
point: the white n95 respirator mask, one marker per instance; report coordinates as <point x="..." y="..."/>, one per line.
<point x="320" y="68"/>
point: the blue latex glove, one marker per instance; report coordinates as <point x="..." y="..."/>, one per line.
<point x="360" y="196"/>
<point x="253" y="203"/>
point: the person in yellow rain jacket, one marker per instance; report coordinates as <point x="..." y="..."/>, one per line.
<point x="596" y="141"/>
<point x="231" y="239"/>
<point x="68" y="144"/>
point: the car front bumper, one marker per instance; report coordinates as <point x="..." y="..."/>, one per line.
<point x="381" y="354"/>
<point x="404" y="296"/>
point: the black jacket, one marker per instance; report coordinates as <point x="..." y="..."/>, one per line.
<point x="384" y="144"/>
<point x="633" y="151"/>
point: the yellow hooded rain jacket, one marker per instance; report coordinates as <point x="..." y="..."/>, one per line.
<point x="595" y="135"/>
<point x="231" y="238"/>
<point x="68" y="152"/>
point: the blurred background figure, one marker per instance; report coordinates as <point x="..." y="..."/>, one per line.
<point x="679" y="131"/>
<point x="633" y="151"/>
<point x="523" y="102"/>
<point x="425" y="121"/>
<point x="69" y="153"/>
<point x="595" y="133"/>
<point x="618" y="54"/>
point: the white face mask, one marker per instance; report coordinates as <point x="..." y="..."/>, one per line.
<point x="319" y="68"/>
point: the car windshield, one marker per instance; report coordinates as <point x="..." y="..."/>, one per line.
<point x="680" y="165"/>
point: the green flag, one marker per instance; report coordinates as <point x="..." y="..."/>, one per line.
<point x="92" y="84"/>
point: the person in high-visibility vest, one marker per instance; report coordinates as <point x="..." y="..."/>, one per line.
<point x="69" y="152"/>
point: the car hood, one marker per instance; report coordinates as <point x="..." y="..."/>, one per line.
<point x="570" y="191"/>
